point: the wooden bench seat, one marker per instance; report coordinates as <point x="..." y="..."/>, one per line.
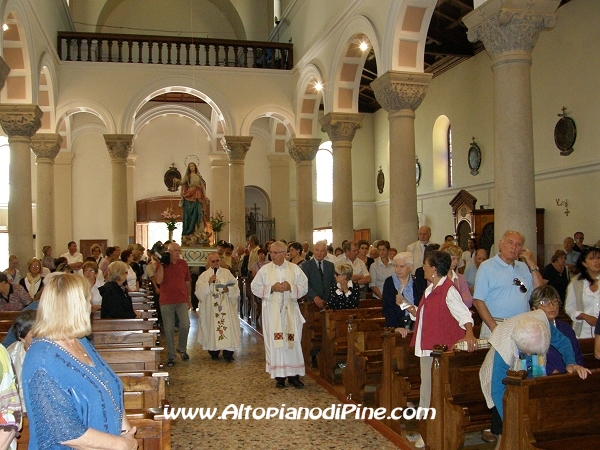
<point x="457" y="398"/>
<point x="122" y="359"/>
<point x="364" y="361"/>
<point x="334" y="345"/>
<point x="554" y="412"/>
<point x="144" y="390"/>
<point x="135" y="338"/>
<point x="312" y="331"/>
<point x="124" y="324"/>
<point x="400" y="375"/>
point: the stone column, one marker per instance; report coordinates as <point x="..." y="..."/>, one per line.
<point x="236" y="148"/>
<point x="119" y="147"/>
<point x="509" y="29"/>
<point x="4" y="70"/>
<point x="340" y="127"/>
<point x="280" y="196"/>
<point x="63" y="203"/>
<point x="400" y="94"/>
<point x="303" y="152"/>
<point x="219" y="191"/>
<point x="20" y="122"/>
<point x="45" y="146"/>
<point x="131" y="209"/>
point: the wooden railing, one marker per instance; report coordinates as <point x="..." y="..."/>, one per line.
<point x="172" y="50"/>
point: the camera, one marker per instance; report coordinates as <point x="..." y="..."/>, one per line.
<point x="163" y="256"/>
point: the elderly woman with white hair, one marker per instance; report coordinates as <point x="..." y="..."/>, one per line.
<point x="521" y="343"/>
<point x="401" y="286"/>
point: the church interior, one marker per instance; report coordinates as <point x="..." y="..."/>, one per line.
<point x="337" y="118"/>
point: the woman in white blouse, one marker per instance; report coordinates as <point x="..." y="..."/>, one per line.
<point x="583" y="295"/>
<point x="132" y="284"/>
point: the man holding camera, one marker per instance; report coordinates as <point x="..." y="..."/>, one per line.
<point x="173" y="276"/>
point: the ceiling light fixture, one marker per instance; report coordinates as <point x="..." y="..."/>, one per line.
<point x="4" y="27"/>
<point x="363" y="46"/>
<point x="319" y="86"/>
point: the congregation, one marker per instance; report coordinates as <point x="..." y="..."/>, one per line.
<point x="432" y="292"/>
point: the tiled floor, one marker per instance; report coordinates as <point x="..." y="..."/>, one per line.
<point x="204" y="383"/>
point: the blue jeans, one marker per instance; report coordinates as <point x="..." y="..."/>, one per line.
<point x="168" y="317"/>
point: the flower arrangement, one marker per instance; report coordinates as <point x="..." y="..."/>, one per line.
<point x="217" y="221"/>
<point x="170" y="219"/>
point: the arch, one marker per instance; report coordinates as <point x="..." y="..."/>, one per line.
<point x="440" y="152"/>
<point x="225" y="6"/>
<point x="18" y="87"/>
<point x="307" y="101"/>
<point x="403" y="45"/>
<point x="272" y="111"/>
<point x="64" y="112"/>
<point x="184" y="83"/>
<point x="348" y="62"/>
<point x="180" y="110"/>
<point x="252" y="193"/>
<point x="46" y="98"/>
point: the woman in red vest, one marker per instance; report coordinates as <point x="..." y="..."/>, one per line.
<point x="442" y="318"/>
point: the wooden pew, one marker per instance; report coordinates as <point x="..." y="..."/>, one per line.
<point x="153" y="429"/>
<point x="587" y="350"/>
<point x="148" y="313"/>
<point x="400" y="375"/>
<point x="364" y="359"/>
<point x="144" y="390"/>
<point x="312" y="331"/>
<point x="553" y="412"/>
<point x="457" y="398"/>
<point x="335" y="337"/>
<point x="123" y="324"/>
<point x="124" y="358"/>
<point x="134" y="338"/>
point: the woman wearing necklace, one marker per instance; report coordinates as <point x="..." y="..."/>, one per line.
<point x="73" y="398"/>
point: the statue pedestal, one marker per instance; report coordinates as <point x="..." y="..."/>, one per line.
<point x="196" y="256"/>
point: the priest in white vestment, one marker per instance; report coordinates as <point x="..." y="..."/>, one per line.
<point x="280" y="284"/>
<point x="218" y="322"/>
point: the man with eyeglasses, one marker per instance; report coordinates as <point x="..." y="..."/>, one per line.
<point x="280" y="284"/>
<point x="503" y="286"/>
<point x="219" y="324"/>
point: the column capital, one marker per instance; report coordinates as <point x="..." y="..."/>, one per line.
<point x="303" y="149"/>
<point x="236" y="147"/>
<point x="20" y="119"/>
<point x="4" y="70"/>
<point x="396" y="90"/>
<point x="506" y="26"/>
<point x="341" y="126"/>
<point x="46" y="145"/>
<point x="119" y="145"/>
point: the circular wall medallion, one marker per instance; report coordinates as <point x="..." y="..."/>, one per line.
<point x="474" y="158"/>
<point x="172" y="178"/>
<point x="380" y="180"/>
<point x="418" y="171"/>
<point x="565" y="133"/>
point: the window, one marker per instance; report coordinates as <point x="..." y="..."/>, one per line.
<point x="324" y="163"/>
<point x="323" y="234"/>
<point x="450" y="156"/>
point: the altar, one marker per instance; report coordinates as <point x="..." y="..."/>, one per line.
<point x="196" y="256"/>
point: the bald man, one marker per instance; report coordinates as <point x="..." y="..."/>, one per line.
<point x="418" y="248"/>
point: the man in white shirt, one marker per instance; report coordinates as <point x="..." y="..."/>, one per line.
<point x="74" y="258"/>
<point x="360" y="273"/>
<point x="381" y="269"/>
<point x="418" y="248"/>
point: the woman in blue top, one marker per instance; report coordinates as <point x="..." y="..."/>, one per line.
<point x="73" y="398"/>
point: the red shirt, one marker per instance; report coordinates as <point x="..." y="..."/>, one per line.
<point x="174" y="289"/>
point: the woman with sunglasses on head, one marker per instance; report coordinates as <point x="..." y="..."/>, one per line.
<point x="546" y="298"/>
<point x="344" y="295"/>
<point x="583" y="295"/>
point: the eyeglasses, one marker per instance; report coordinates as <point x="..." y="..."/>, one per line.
<point x="554" y="302"/>
<point x="519" y="283"/>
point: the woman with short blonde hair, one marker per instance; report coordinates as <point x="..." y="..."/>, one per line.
<point x="65" y="381"/>
<point x="116" y="302"/>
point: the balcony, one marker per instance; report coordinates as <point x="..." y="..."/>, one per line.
<point x="173" y="50"/>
